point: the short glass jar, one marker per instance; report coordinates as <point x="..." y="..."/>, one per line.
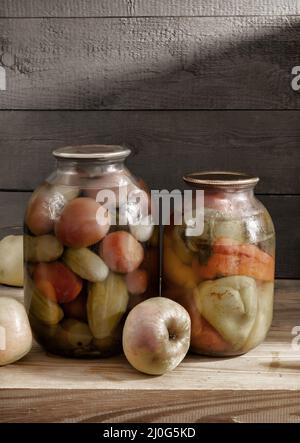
<point x="91" y="251"/>
<point x="225" y="276"/>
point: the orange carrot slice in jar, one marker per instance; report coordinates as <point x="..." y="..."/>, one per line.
<point x="231" y="258"/>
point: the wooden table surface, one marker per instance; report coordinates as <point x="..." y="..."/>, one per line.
<point x="261" y="386"/>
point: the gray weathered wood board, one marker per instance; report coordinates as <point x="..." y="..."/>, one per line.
<point x="109" y="8"/>
<point x="150" y="63"/>
<point x="166" y="63"/>
<point x="166" y="144"/>
<point x="284" y="210"/>
<point x="12" y="208"/>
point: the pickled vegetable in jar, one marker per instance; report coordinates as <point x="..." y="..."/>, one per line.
<point x="225" y="276"/>
<point x="91" y="251"/>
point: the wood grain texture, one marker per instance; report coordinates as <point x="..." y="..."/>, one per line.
<point x="261" y="386"/>
<point x="285" y="211"/>
<point x="111" y="406"/>
<point x="166" y="144"/>
<point x="135" y="8"/>
<point x="150" y="63"/>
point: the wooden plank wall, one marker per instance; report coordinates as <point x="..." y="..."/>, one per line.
<point x="189" y="84"/>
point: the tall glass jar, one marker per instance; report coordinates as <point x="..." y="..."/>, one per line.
<point x="91" y="251"/>
<point x="225" y="276"/>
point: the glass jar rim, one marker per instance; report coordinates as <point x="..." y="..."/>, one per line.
<point x="221" y="179"/>
<point x="93" y="152"/>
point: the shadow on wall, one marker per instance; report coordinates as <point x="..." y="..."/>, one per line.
<point x="158" y="64"/>
<point x="153" y="63"/>
<point x="171" y="68"/>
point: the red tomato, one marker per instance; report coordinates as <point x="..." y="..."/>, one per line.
<point x="79" y="224"/>
<point x="121" y="252"/>
<point x="45" y="206"/>
<point x="137" y="281"/>
<point x="38" y="214"/>
<point x="57" y="282"/>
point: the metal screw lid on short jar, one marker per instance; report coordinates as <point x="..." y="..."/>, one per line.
<point x="220" y="179"/>
<point x="89" y="152"/>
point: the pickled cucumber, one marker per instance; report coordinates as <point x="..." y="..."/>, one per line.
<point x="86" y="264"/>
<point x="42" y="308"/>
<point x="44" y="248"/>
<point x="107" y="303"/>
